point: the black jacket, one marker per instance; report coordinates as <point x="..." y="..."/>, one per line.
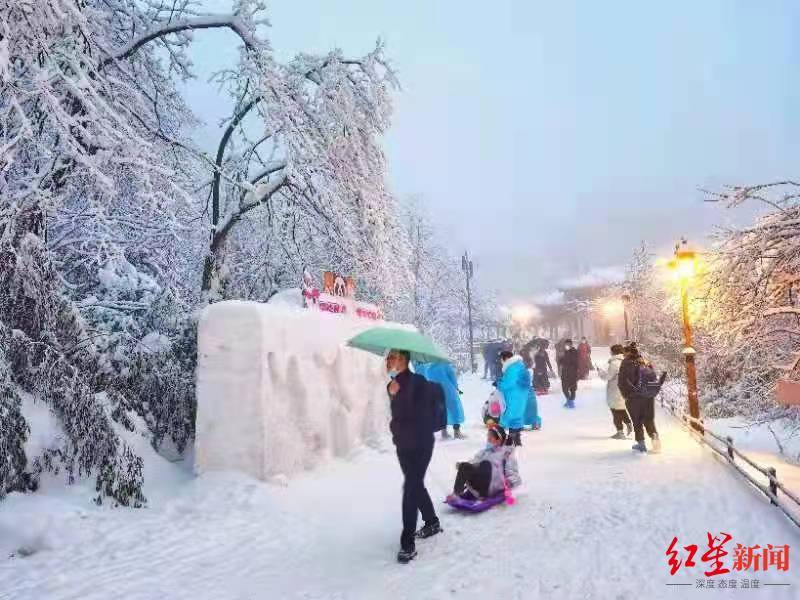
<point x="541" y="361"/>
<point x="628" y="377"/>
<point x="412" y="412"/>
<point x="569" y="365"/>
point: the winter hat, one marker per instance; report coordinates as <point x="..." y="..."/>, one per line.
<point x="499" y="432"/>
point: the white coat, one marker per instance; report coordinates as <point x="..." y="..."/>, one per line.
<point x="613" y="395"/>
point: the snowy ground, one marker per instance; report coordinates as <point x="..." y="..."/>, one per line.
<point x="592" y="521"/>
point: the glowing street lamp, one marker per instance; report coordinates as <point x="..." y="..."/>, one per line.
<point x="684" y="267"/>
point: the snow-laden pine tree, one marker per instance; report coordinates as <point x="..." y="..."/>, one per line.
<point x="80" y="157"/>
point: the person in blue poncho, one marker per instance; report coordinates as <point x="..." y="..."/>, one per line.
<point x="445" y="375"/>
<point x="515" y="383"/>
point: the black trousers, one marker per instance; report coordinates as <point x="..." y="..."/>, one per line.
<point x="514" y="437"/>
<point x="620" y="416"/>
<point x="643" y="414"/>
<point x="414" y="464"/>
<point x="477" y="476"/>
<point x="569" y="387"/>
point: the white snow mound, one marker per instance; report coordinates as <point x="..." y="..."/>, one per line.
<point x="278" y="392"/>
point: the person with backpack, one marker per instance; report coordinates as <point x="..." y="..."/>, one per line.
<point x="413" y="421"/>
<point x="569" y="373"/>
<point x="445" y="375"/>
<point x="619" y="413"/>
<point x="515" y="384"/>
<point x="639" y="385"/>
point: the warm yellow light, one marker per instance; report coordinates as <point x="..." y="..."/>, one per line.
<point x="613" y="308"/>
<point x="522" y="313"/>
<point x="684" y="266"/>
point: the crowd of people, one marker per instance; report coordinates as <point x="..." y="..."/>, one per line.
<point x="632" y="386"/>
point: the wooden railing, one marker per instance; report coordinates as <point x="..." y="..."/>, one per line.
<point x="726" y="448"/>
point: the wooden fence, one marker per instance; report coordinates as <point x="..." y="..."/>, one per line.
<point x="724" y="446"/>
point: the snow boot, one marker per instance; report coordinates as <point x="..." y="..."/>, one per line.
<point x="619" y="436"/>
<point x="639" y="447"/>
<point x="656" y="444"/>
<point x="445" y="434"/>
<point x="628" y="429"/>
<point x="406" y="555"/>
<point x="571" y="404"/>
<point x="429" y="530"/>
<point x="459" y="436"/>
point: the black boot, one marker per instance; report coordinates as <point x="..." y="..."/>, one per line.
<point x="406" y="555"/>
<point x="429" y="530"/>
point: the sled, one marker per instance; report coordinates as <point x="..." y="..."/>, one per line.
<point x="476" y="506"/>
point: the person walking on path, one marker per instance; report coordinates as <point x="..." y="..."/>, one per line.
<point x="569" y="373"/>
<point x="541" y="370"/>
<point x="640" y="407"/>
<point x="445" y="375"/>
<point x="412" y="423"/>
<point x="515" y="383"/>
<point x="584" y="359"/>
<point x="616" y="403"/>
<point x="488" y="360"/>
<point x="560" y="349"/>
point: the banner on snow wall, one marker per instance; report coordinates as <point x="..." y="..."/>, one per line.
<point x="338" y="296"/>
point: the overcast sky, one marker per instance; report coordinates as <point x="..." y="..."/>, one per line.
<point x="551" y="137"/>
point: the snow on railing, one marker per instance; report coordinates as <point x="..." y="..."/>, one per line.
<point x="698" y="429"/>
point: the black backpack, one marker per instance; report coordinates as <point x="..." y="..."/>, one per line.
<point x="649" y="383"/>
<point x="436" y="393"/>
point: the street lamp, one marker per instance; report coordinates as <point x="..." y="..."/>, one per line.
<point x="626" y="300"/>
<point x="466" y="266"/>
<point x="684" y="267"/>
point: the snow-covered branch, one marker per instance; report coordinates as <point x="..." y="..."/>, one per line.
<point x="161" y="30"/>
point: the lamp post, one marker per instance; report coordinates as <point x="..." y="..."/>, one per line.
<point x="466" y="266"/>
<point x="626" y="300"/>
<point x="684" y="265"/>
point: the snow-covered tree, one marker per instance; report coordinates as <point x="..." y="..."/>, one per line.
<point x="303" y="146"/>
<point x="751" y="291"/>
<point x="98" y="179"/>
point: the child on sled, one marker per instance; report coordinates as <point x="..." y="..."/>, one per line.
<point x="490" y="471"/>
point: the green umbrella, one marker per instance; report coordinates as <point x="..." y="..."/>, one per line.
<point x="379" y="340"/>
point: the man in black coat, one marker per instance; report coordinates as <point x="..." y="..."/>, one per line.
<point x="641" y="409"/>
<point x="569" y="373"/>
<point x="412" y="406"/>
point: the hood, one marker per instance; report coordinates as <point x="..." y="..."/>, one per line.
<point x="513" y="360"/>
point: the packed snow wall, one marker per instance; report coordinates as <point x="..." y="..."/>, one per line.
<point x="278" y="391"/>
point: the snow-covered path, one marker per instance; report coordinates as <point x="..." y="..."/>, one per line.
<point x="593" y="520"/>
